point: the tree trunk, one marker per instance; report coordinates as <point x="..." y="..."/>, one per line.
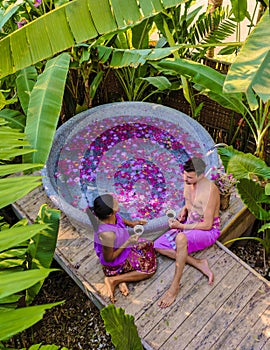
<point x="213" y="4"/>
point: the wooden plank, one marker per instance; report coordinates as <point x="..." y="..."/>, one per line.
<point x="160" y="324"/>
<point x="259" y="334"/>
<point x="161" y="281"/>
<point x="204" y="303"/>
<point x="247" y="317"/>
<point x="226" y="314"/>
<point x="266" y="346"/>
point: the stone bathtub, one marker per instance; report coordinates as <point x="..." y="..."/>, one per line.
<point x="134" y="150"/>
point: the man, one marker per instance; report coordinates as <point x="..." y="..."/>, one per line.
<point x="196" y="227"/>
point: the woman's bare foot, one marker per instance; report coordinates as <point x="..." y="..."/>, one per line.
<point x="205" y="269"/>
<point x="110" y="288"/>
<point x="168" y="298"/>
<point x="124" y="288"/>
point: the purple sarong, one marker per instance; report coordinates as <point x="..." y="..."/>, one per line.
<point x="197" y="239"/>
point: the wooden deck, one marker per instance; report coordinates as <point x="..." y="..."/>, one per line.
<point x="234" y="313"/>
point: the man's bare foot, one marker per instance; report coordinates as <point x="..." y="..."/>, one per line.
<point x="205" y="269"/>
<point x="168" y="298"/>
<point x="124" y="288"/>
<point x="110" y="288"/>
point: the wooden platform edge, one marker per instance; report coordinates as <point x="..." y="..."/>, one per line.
<point x="249" y="268"/>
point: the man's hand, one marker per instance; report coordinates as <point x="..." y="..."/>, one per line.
<point x="182" y="216"/>
<point x="174" y="223"/>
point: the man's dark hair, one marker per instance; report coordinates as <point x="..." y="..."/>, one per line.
<point x="196" y="165"/>
<point x="103" y="206"/>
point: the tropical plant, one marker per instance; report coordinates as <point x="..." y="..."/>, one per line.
<point x="41" y="100"/>
<point x="20" y="277"/>
<point x="212" y="83"/>
<point x="121" y="327"/>
<point x="26" y="251"/>
<point x="193" y="26"/>
<point x="253" y="186"/>
<point x="37" y="40"/>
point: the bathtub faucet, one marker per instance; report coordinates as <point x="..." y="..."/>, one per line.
<point x="211" y="150"/>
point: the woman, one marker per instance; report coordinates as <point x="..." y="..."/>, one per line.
<point x="124" y="258"/>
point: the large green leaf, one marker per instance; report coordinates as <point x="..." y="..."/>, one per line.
<point x="15" y="119"/>
<point x="15" y="168"/>
<point x="247" y="166"/>
<point x="15" y="321"/>
<point x="13" y="188"/>
<point x="226" y="153"/>
<point x="14" y="282"/>
<point x="77" y="21"/>
<point x="17" y="234"/>
<point x="253" y="195"/>
<point x="208" y="80"/>
<point x="122" y="328"/>
<point x="120" y="58"/>
<point x="239" y="9"/>
<point x="44" y="107"/>
<point x="252" y="65"/>
<point x="25" y="82"/>
<point x="162" y="83"/>
<point x="43" y="245"/>
<point x="11" y="142"/>
<point x="9" y="12"/>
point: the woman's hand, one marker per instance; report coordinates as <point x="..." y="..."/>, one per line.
<point x="174" y="223"/>
<point x="133" y="239"/>
<point x="138" y="222"/>
<point x="135" y="222"/>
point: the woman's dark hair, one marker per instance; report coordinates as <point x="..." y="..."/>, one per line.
<point x="196" y="165"/>
<point x="103" y="206"/>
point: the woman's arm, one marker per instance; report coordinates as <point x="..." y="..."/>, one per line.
<point x="134" y="223"/>
<point x="107" y="239"/>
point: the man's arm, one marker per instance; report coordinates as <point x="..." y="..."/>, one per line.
<point x="210" y="206"/>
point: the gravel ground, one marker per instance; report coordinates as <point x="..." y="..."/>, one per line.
<point x="76" y="324"/>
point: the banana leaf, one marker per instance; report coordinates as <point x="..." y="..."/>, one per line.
<point x="162" y="83"/>
<point x="12" y="253"/>
<point x="239" y="9"/>
<point x="120" y="58"/>
<point x="12" y="263"/>
<point x="45" y="106"/>
<point x="15" y="321"/>
<point x="9" y="12"/>
<point x="10" y="299"/>
<point x="42" y="246"/>
<point x="251" y="68"/>
<point x="77" y="21"/>
<point x="11" y="141"/>
<point x="15" y="119"/>
<point x="25" y="82"/>
<point x="17" y="234"/>
<point x="45" y="347"/>
<point x="209" y="81"/>
<point x="22" y="185"/>
<point x="14" y="282"/>
<point x="15" y="168"/>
